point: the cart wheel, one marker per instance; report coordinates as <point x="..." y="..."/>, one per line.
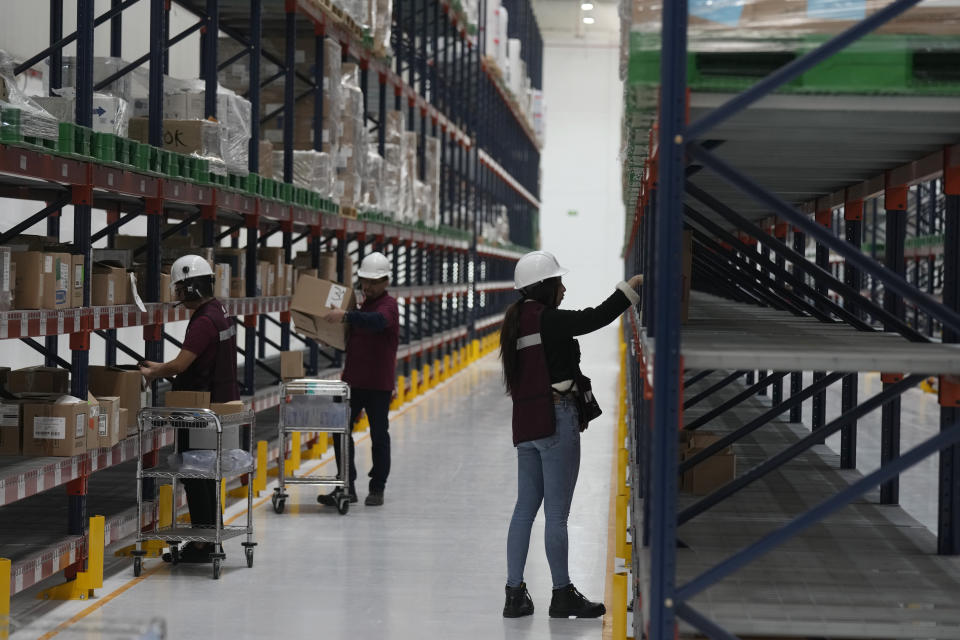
<point x="343" y="505"/>
<point x="216" y="568"/>
<point x="175" y="554"/>
<point x="137" y="566"/>
<point x="249" y="557"/>
<point x="278" y="504"/>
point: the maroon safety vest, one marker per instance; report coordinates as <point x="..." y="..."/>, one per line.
<point x="533" y="416"/>
<point x="219" y="375"/>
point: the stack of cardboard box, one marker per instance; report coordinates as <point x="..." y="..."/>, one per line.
<point x="712" y="473"/>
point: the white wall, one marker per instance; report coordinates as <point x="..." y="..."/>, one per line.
<point x="580" y="167"/>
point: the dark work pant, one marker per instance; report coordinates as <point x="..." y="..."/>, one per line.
<point x="377" y="405"/>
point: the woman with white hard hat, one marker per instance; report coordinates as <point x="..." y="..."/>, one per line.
<point x="207" y="362"/>
<point x="552" y="404"/>
<point x="370" y="370"/>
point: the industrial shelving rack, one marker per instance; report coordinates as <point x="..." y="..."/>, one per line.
<point x="773" y="312"/>
<point x="450" y="284"/>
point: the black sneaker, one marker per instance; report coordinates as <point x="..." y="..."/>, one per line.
<point x="518" y="602"/>
<point x="568" y="602"/>
<point x="330" y="499"/>
<point x="197" y="552"/>
<point x="374" y="499"/>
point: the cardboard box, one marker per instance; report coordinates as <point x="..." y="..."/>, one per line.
<point x="109" y="285"/>
<point x="712" y="473"/>
<point x="51" y="429"/>
<point x="126" y="429"/>
<point x="166" y="289"/>
<point x="291" y="365"/>
<point x="120" y="257"/>
<point x="221" y="288"/>
<point x="288" y="276"/>
<point x="200" y="137"/>
<point x="187" y="399"/>
<point x="76" y="280"/>
<point x="124" y="383"/>
<point x="11" y="427"/>
<point x="227" y="408"/>
<point x="93" y="422"/>
<point x="39" y="380"/>
<point x="7" y="279"/>
<point x="109" y="430"/>
<point x="236" y="258"/>
<point x="314" y="296"/>
<point x="41" y="280"/>
<point x="238" y="287"/>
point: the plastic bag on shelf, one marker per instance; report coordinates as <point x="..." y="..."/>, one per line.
<point x="205" y="460"/>
<point x="103" y="68"/>
<point x="392" y="183"/>
<point x="18" y="112"/>
<point x="311" y="170"/>
<point x="373" y="180"/>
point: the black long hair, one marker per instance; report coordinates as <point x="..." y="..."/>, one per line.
<point x="544" y="292"/>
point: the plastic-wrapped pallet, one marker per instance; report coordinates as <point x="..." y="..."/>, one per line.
<point x="18" y="110"/>
<point x="103" y="67"/>
<point x="332" y="95"/>
<point x="110" y="114"/>
<point x="373" y="180"/>
<point x="353" y="144"/>
<point x="383" y="23"/>
<point x="392" y="170"/>
<point x="408" y="203"/>
<point x="311" y="170"/>
<point x="432" y="179"/>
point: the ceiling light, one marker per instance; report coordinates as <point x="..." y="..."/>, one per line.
<point x="588" y="20"/>
<point x="586" y="6"/>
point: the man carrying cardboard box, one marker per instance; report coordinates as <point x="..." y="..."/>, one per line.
<point x="206" y="362"/>
<point x="370" y="371"/>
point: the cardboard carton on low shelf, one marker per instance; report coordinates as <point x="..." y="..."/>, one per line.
<point x="125" y="383"/>
<point x="109" y="431"/>
<point x="291" y="365"/>
<point x="109" y="285"/>
<point x="55" y="428"/>
<point x="11" y="427"/>
<point x="238" y="287"/>
<point x="42" y="280"/>
<point x="222" y="281"/>
<point x="712" y="473"/>
<point x="313" y="298"/>
<point x="200" y="137"/>
<point x="77" y="277"/>
<point x="166" y="290"/>
<point x="46" y="380"/>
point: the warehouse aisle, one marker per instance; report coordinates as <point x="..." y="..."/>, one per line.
<point x="428" y="564"/>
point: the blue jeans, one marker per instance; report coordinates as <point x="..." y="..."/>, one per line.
<point x="547" y="472"/>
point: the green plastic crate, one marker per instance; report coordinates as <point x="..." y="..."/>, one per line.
<point x="104" y="147"/>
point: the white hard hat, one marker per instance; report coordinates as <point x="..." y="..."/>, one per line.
<point x="190" y="266"/>
<point x="374" y="266"/>
<point x="535" y="267"/>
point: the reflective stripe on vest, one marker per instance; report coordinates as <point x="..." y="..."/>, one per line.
<point x="228" y="333"/>
<point x="531" y="340"/>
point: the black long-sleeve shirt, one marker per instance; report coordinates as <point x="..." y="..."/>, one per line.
<point x="559" y="326"/>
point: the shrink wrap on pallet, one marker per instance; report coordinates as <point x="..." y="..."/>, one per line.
<point x="18" y="111"/>
<point x="373" y="180"/>
<point x="311" y="170"/>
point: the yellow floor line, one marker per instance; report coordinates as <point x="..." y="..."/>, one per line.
<point x="101" y="602"/>
<point x="607" y="628"/>
<point x="259" y="503"/>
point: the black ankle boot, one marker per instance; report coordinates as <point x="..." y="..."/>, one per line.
<point x="518" y="603"/>
<point x="567" y="602"/>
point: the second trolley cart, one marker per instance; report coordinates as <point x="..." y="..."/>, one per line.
<point x="208" y="463"/>
<point x="310" y="404"/>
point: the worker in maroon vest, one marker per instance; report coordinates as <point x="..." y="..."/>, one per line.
<point x="370" y="370"/>
<point x="552" y="404"/>
<point x="206" y="362"/>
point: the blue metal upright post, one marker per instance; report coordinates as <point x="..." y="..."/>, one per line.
<point x="667" y="365"/>
<point x="948" y="515"/>
<point x="253" y="92"/>
<point x="853" y="216"/>
<point x="796" y="378"/>
<point x="895" y="203"/>
<point x="818" y="413"/>
<point x="76" y="491"/>
<point x="56" y="75"/>
<point x="116" y="30"/>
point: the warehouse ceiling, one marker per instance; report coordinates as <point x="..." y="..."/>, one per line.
<point x="564" y="18"/>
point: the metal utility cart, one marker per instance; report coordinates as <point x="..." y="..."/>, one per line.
<point x="152" y="418"/>
<point x="309" y="404"/>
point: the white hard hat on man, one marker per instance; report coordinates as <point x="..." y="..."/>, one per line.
<point x="374" y="266"/>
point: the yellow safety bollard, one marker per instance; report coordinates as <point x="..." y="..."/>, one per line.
<point x="82" y="586"/>
<point x="621" y="524"/>
<point x="398" y="399"/>
<point x="260" y="477"/>
<point x="427" y="378"/>
<point x="475" y="350"/>
<point x="414" y="384"/>
<point x="363" y="423"/>
<point x="164" y="506"/>
<point x="619" y="606"/>
<point x="323" y="442"/>
<point x="295" y="449"/>
<point x="223" y="494"/>
<point x="447" y="363"/>
<point x="5" y="565"/>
